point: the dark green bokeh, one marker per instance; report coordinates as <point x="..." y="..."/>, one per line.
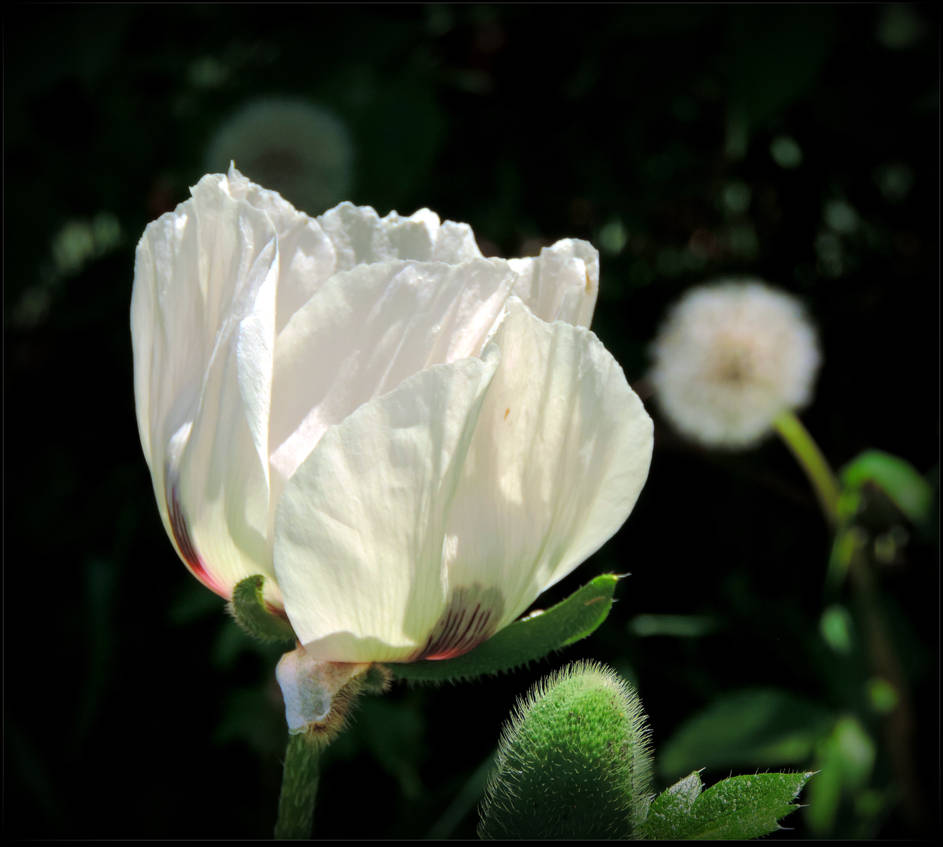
<point x="798" y="144"/>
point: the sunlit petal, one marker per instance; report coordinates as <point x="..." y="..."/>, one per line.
<point x="359" y="528"/>
<point x="557" y="461"/>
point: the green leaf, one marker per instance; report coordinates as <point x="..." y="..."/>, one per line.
<point x="254" y="616"/>
<point x="574" y="761"/>
<point x="740" y="807"/>
<point x="896" y="477"/>
<point x="837" y="629"/>
<point x="759" y="727"/>
<point x="525" y="640"/>
<point x="677" y="626"/>
<point x="845" y="760"/>
<point x="669" y="811"/>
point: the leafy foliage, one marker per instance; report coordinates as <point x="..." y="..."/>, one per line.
<point x="736" y="808"/>
<point x="845" y="758"/>
<point x="896" y="477"/>
<point x="745" y="728"/>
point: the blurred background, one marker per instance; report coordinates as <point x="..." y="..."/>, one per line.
<point x="798" y="144"/>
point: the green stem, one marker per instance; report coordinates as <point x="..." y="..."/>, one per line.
<point x="847" y="556"/>
<point x="299" y="787"/>
<point x="899" y="723"/>
<point x="808" y="455"/>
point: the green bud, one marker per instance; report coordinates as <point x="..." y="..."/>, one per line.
<point x="574" y="761"/>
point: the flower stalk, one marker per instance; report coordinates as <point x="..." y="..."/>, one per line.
<point x="885" y="664"/>
<point x="815" y="465"/>
<point x="300" y="778"/>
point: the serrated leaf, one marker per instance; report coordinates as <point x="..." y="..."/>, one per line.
<point x="745" y="806"/>
<point x="669" y="811"/>
<point x="896" y="477"/>
<point x="740" y="807"/>
<point x="525" y="640"/>
<point x="760" y="727"/>
<point x="254" y="616"/>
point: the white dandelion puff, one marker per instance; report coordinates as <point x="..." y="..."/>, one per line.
<point x="730" y="358"/>
<point x="289" y="145"/>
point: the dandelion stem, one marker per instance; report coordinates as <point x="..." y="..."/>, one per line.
<point x="299" y="787"/>
<point x="815" y="465"/>
<point x="849" y="557"/>
<point x="885" y="664"/>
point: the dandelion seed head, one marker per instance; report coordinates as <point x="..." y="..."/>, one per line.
<point x="289" y="145"/>
<point x="730" y="357"/>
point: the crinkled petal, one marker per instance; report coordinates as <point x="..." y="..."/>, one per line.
<point x="359" y="527"/>
<point x="368" y="329"/>
<point x="560" y="284"/>
<point x="306" y="253"/>
<point x="557" y="461"/>
<point x="203" y="326"/>
<point x="361" y="236"/>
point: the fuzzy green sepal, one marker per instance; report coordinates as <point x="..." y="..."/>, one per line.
<point x="250" y="611"/>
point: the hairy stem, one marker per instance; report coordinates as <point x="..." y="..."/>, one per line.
<point x="299" y="787"/>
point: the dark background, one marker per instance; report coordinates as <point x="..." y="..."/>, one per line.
<point x="798" y="144"/>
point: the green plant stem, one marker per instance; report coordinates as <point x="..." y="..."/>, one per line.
<point x="299" y="787"/>
<point x="899" y="722"/>
<point x="809" y="456"/>
<point x="898" y="725"/>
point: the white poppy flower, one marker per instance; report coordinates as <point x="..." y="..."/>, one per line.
<point x="408" y="440"/>
<point x="730" y="358"/>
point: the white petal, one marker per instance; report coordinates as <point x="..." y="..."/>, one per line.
<point x="359" y="528"/>
<point x="203" y="326"/>
<point x="561" y="284"/>
<point x="168" y="335"/>
<point x="455" y="244"/>
<point x="559" y="456"/>
<point x="368" y="329"/>
<point x="307" y="254"/>
<point x="361" y="236"/>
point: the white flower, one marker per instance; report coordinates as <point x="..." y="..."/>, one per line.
<point x="409" y="441"/>
<point x="730" y="358"/>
